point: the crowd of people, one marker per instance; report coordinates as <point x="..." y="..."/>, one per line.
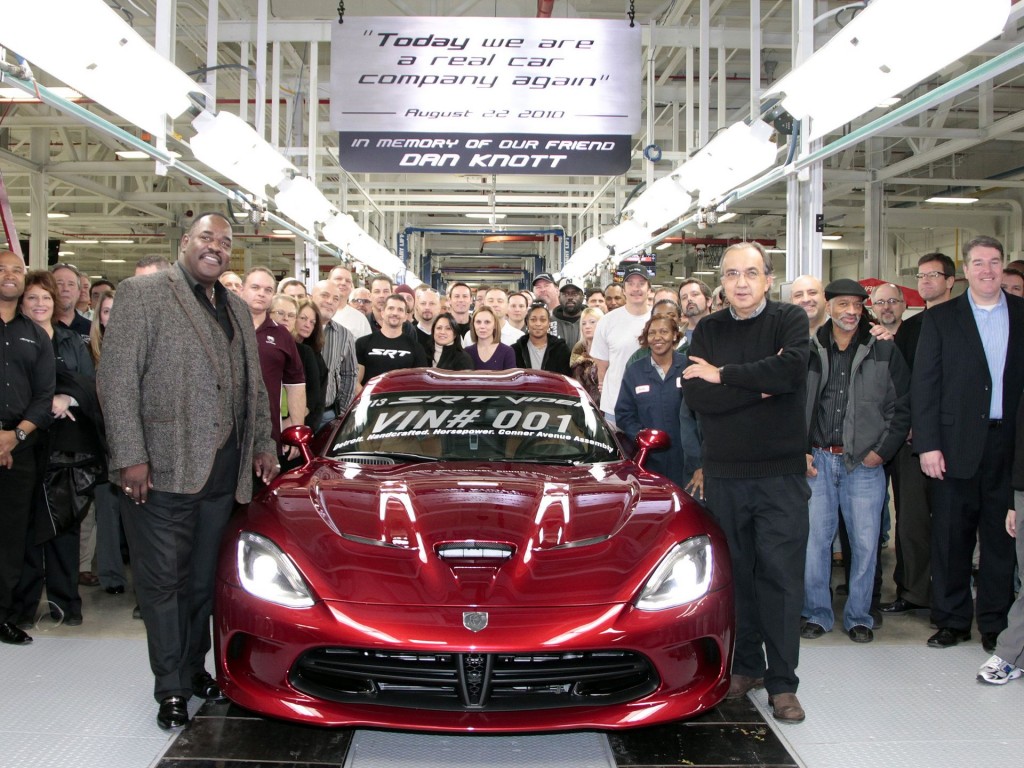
<point x="197" y="370"/>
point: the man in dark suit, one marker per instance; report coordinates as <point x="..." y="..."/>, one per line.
<point x="936" y="274"/>
<point x="188" y="422"/>
<point x="967" y="381"/>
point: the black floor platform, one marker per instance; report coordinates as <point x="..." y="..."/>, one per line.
<point x="225" y="736"/>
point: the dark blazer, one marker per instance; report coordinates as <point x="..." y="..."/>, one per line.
<point x="556" y="355"/>
<point x="158" y="384"/>
<point x="951" y="385"/>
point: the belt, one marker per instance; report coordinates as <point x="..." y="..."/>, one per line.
<point x="995" y="423"/>
<point x="835" y="449"/>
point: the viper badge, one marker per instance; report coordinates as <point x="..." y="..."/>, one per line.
<point x="474" y="621"/>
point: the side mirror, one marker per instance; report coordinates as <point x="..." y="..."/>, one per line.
<point x="650" y="440"/>
<point x="299" y="436"/>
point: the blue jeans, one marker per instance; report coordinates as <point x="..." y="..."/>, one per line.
<point x="858" y="494"/>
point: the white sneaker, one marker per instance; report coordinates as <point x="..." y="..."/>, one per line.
<point x="998" y="672"/>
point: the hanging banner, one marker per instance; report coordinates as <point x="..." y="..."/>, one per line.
<point x="484" y="95"/>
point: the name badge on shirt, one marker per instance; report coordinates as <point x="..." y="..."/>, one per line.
<point x="679" y="382"/>
<point x="642" y="389"/>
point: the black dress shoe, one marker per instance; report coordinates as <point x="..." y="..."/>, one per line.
<point x="947" y="637"/>
<point x="988" y="641"/>
<point x="205" y="687"/>
<point x="861" y="634"/>
<point x="173" y="713"/>
<point x="812" y="631"/>
<point x="10" y="634"/>
<point x="72" y="621"/>
<point x="118" y="590"/>
<point x="899" y="605"/>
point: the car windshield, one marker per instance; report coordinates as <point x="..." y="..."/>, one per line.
<point x="476" y="426"/>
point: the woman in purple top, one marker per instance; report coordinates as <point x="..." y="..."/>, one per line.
<point x="488" y="353"/>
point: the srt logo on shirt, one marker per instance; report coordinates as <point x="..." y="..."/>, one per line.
<point x="392" y="353"/>
<point x="271" y="340"/>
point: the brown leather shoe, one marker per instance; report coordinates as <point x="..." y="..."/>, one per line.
<point x="786" y="708"/>
<point x="740" y="685"/>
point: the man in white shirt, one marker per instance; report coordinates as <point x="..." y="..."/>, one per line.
<point x="497" y="300"/>
<point x="348" y="316"/>
<point x="617" y="334"/>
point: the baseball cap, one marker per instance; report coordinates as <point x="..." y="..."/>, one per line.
<point x="543" y="276"/>
<point x="569" y="283"/>
<point x="635" y="269"/>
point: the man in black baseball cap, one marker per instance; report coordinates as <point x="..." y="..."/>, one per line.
<point x="566" y="317"/>
<point x="546" y="289"/>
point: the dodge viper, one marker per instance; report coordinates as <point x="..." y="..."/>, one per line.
<point x="473" y="552"/>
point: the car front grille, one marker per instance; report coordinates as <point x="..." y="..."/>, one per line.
<point x="474" y="681"/>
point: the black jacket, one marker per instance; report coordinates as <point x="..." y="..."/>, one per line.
<point x="951" y="387"/>
<point x="556" y="355"/>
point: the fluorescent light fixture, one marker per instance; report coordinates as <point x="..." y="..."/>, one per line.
<point x="485" y="215"/>
<point x="342" y="230"/>
<point x="282" y="232"/>
<point x="831" y="237"/>
<point x="65" y="253"/>
<point x="374" y="255"/>
<point x="11" y="95"/>
<point x="626" y="235"/>
<point x="138" y="154"/>
<point x="119" y="241"/>
<point x="52" y="215"/>
<point x="112" y="261"/>
<point x="702" y="272"/>
<point x="664" y="201"/>
<point x="90" y="47"/>
<point x="662" y="246"/>
<point x="952" y="200"/>
<point x="887" y="47"/>
<point x="727" y="217"/>
<point x="774" y="250"/>
<point x="82" y="242"/>
<point x="891" y="102"/>
<point x="734" y="155"/>
<point x="300" y="200"/>
<point x="234" y="149"/>
<point x="585" y="258"/>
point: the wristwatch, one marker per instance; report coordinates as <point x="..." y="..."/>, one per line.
<point x="21" y="434"/>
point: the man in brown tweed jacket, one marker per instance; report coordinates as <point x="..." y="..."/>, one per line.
<point x="188" y="423"/>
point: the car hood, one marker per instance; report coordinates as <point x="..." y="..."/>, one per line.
<point x="447" y="533"/>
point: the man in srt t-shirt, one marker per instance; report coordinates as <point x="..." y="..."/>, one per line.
<point x="388" y="348"/>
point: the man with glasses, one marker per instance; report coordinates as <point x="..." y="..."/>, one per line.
<point x="279" y="357"/>
<point x="339" y="353"/>
<point x="967" y="384"/>
<point x="889" y="305"/>
<point x="858" y="405"/>
<point x="912" y="572"/>
<point x="69" y="288"/>
<point x="361" y="301"/>
<point x="747" y="380"/>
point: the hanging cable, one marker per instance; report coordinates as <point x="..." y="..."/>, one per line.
<point x="631" y="13"/>
<point x="341" y="11"/>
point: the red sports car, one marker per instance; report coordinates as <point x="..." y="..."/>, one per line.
<point x="474" y="552"/>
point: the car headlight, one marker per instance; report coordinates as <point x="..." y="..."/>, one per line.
<point x="268" y="573"/>
<point x="684" y="575"/>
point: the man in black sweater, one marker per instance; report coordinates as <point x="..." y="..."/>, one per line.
<point x="748" y="382"/>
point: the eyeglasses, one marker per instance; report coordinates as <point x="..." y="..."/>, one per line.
<point x="360" y="301"/>
<point x="932" y="275"/>
<point x="284" y="315"/>
<point x="890" y="302"/>
<point x="734" y="274"/>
